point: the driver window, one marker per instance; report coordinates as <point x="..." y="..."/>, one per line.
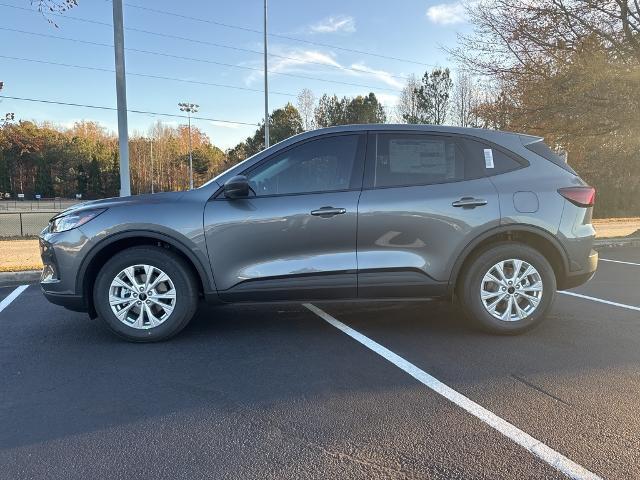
<point x="319" y="165"/>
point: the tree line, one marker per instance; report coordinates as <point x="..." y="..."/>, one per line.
<point x="42" y="159"/>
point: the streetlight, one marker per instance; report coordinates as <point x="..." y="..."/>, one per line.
<point x="189" y="108"/>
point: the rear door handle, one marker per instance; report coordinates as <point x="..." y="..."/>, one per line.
<point x="328" y="212"/>
<point x="469" y="202"/>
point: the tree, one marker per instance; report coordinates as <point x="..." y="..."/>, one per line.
<point x="55" y="7"/>
<point x="571" y="67"/>
<point x="426" y="101"/>
<point x="332" y="110"/>
<point x="283" y="123"/>
<point x="408" y="108"/>
<point x="465" y="100"/>
<point x="434" y="95"/>
<point x="365" y="109"/>
<point x="306" y="104"/>
<point x="237" y="154"/>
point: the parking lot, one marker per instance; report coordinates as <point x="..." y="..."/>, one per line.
<point x="348" y="390"/>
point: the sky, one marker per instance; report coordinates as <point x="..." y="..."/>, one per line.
<point x="344" y="51"/>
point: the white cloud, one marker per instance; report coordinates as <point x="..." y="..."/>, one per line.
<point x="446" y="13"/>
<point x="381" y="75"/>
<point x="337" y="23"/>
<point x="295" y="59"/>
<point x="311" y="62"/>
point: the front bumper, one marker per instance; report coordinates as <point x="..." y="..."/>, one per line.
<point x="575" y="279"/>
<point x="70" y="302"/>
<point x="60" y="253"/>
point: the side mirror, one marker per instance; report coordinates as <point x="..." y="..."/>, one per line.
<point x="236" y="187"/>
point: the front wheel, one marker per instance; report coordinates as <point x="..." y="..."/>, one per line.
<point x="508" y="288"/>
<point x="145" y="294"/>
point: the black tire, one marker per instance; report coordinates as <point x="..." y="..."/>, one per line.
<point x="186" y="292"/>
<point x="471" y="283"/>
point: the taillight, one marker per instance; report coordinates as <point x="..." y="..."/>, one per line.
<point x="580" y="196"/>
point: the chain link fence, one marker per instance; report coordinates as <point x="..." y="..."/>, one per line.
<point x="54" y="204"/>
<point x="24" y="224"/>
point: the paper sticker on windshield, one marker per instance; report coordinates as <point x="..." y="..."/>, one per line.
<point x="488" y="158"/>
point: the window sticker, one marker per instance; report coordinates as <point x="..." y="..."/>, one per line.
<point x="488" y="158"/>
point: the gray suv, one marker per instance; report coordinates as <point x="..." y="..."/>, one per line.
<point x="387" y="212"/>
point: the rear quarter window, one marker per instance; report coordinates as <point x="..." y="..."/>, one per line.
<point x="502" y="163"/>
<point x="491" y="161"/>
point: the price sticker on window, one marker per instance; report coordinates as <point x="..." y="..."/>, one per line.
<point x="488" y="158"/>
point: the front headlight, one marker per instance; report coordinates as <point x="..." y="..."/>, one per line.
<point x="72" y="220"/>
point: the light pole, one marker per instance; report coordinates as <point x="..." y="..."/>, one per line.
<point x="266" y="83"/>
<point x="189" y="108"/>
<point x="121" y="97"/>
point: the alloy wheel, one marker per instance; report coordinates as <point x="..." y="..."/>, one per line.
<point x="511" y="290"/>
<point x="142" y="296"/>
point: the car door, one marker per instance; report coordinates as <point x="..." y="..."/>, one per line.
<point x="425" y="197"/>
<point x="294" y="237"/>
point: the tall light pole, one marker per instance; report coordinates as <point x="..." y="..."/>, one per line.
<point x="121" y="98"/>
<point x="189" y="108"/>
<point x="266" y="83"/>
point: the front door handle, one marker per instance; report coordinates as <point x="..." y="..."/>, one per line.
<point x="328" y="212"/>
<point x="469" y="202"/>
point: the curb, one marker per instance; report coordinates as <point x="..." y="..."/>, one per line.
<point x="8" y="279"/>
<point x="616" y="242"/>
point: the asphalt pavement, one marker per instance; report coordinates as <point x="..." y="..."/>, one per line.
<point x="278" y="392"/>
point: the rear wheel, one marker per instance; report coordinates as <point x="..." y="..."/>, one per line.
<point x="145" y="294"/>
<point x="508" y="288"/>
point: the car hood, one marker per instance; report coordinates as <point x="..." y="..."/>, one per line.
<point x="149" y="198"/>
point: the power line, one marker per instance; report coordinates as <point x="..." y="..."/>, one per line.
<point x="145" y="75"/>
<point x="286" y="37"/>
<point x="200" y="60"/>
<point x="213" y="44"/>
<point x="144" y="112"/>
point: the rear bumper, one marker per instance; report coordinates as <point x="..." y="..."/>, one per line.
<point x="574" y="279"/>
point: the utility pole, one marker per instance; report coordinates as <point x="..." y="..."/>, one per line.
<point x="121" y="96"/>
<point x="189" y="108"/>
<point x="266" y="83"/>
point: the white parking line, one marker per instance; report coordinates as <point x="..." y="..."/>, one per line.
<point x="536" y="447"/>
<point x="12" y="296"/>
<point x="619" y="261"/>
<point x="600" y="300"/>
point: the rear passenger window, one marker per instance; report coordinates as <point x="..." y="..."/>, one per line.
<point x="419" y="159"/>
